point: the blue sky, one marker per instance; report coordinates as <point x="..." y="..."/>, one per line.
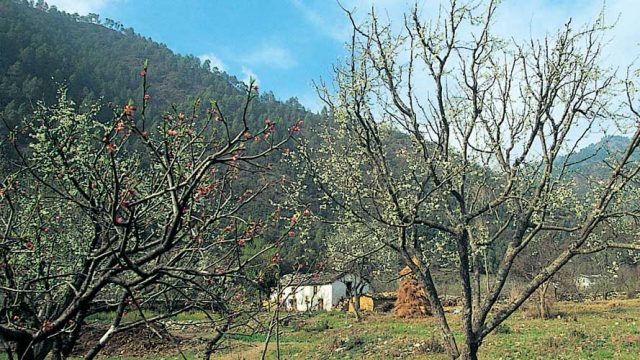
<point x="268" y="39"/>
<point x="287" y="44"/>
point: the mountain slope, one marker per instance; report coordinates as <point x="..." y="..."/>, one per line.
<point x="594" y="161"/>
<point x="43" y="48"/>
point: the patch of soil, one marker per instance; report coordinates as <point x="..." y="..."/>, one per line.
<point x="139" y="341"/>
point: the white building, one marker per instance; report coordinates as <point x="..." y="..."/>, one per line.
<point x="586" y="282"/>
<point x="303" y="292"/>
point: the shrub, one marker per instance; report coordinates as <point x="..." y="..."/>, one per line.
<point x="432" y="346"/>
<point x="317" y="327"/>
<point x="503" y="329"/>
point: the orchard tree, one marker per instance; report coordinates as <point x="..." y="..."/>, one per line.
<point x="489" y="131"/>
<point x="123" y="216"/>
<point x="359" y="250"/>
<point x="528" y="264"/>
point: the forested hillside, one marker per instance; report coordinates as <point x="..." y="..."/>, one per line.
<point x="43" y="48"/>
<point x="99" y="61"/>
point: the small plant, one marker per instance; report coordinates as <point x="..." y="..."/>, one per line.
<point x="432" y="346"/>
<point x="554" y="343"/>
<point x="503" y="329"/>
<point x="297" y="326"/>
<point x="347" y="343"/>
<point x="579" y="334"/>
<point x="317" y="327"/>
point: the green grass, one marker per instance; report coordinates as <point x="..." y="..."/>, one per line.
<point x="260" y="338"/>
<point x="595" y="330"/>
<point x="135" y="315"/>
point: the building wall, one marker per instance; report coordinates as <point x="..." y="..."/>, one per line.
<point x="585" y="282"/>
<point x="308" y="297"/>
<point x="366" y="303"/>
<point x="339" y="291"/>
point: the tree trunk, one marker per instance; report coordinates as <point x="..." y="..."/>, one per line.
<point x="469" y="351"/>
<point x="542" y="301"/>
<point x="212" y="345"/>
<point x="24" y="350"/>
<point x="470" y="347"/>
<point x="43" y="348"/>
<point x="356" y="306"/>
<point x="9" y="352"/>
<point x="438" y="311"/>
<point x="69" y="342"/>
<point x="56" y="353"/>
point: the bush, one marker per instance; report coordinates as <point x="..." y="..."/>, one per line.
<point x="503" y="329"/>
<point x="579" y="335"/>
<point x="346" y="343"/>
<point x="431" y="346"/>
<point x="317" y="327"/>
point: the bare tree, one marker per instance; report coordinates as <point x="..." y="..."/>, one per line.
<point x="460" y="142"/>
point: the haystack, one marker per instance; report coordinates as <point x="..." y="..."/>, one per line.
<point x="412" y="300"/>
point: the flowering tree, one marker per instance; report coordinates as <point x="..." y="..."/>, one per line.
<point x="359" y="250"/>
<point x="120" y="216"/>
<point x="461" y="143"/>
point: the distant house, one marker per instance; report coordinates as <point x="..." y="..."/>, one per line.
<point x="322" y="291"/>
<point x="585" y="282"/>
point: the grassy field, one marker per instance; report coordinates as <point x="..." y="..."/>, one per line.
<point x="591" y="330"/>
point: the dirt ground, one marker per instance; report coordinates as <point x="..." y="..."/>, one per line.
<point x="142" y="341"/>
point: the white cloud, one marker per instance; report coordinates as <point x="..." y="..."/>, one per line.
<point x="80" y="6"/>
<point x="215" y="61"/>
<point x="333" y="22"/>
<point x="248" y="74"/>
<point x="270" y="55"/>
<point x="324" y="24"/>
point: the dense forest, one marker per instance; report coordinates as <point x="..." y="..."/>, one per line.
<point x="44" y="49"/>
<point x="99" y="61"/>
